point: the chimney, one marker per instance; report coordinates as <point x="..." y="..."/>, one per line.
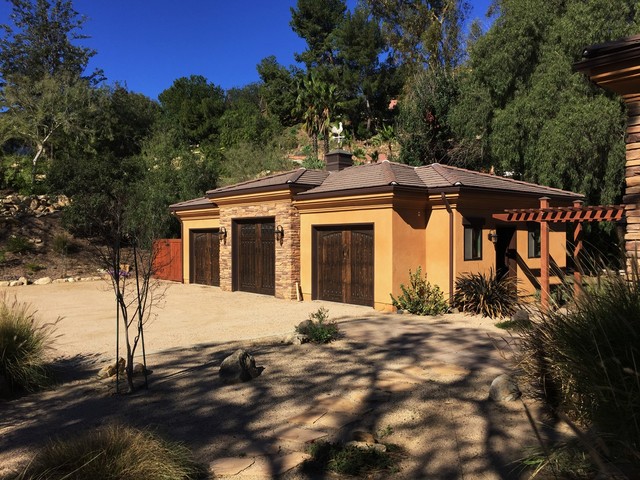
<point x="337" y="160"/>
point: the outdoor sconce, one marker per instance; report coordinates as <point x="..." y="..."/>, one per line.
<point x="222" y="233"/>
<point x="493" y="236"/>
<point x="279" y="234"/>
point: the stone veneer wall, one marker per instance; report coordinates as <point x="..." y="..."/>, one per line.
<point x="287" y="254"/>
<point x="631" y="198"/>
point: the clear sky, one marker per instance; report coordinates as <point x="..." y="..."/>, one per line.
<point x="147" y="44"/>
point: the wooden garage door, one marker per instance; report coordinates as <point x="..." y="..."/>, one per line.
<point x="254" y="256"/>
<point x="205" y="257"/>
<point x="344" y="264"/>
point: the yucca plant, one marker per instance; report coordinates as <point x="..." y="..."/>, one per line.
<point x="420" y="297"/>
<point x="23" y="344"/>
<point x="113" y="453"/>
<point x="586" y="360"/>
<point x="489" y="295"/>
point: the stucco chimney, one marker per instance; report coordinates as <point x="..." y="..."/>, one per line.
<point x="337" y="160"/>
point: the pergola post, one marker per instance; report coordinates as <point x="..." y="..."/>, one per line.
<point x="577" y="248"/>
<point x="544" y="257"/>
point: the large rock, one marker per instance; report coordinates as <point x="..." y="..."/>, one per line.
<point x="304" y="326"/>
<point x="504" y="389"/>
<point x="42" y="281"/>
<point x="239" y="367"/>
<point x="295" y="339"/>
<point x="111" y="369"/>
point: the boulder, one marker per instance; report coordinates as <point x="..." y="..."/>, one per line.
<point x="360" y="436"/>
<point x="138" y="369"/>
<point x="4" y="283"/>
<point x="239" y="367"/>
<point x="42" y="281"/>
<point x="23" y="281"/>
<point x="295" y="339"/>
<point x="504" y="389"/>
<point x="304" y="326"/>
<point x="110" y="370"/>
<point x="520" y="316"/>
<point x="379" y="447"/>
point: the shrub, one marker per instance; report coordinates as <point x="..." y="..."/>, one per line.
<point x="34" y="267"/>
<point x="586" y="360"/>
<point x="22" y="347"/>
<point x="18" y="244"/>
<point x="62" y="244"/>
<point x="489" y="295"/>
<point x="318" y="328"/>
<point x="113" y="452"/>
<point x="420" y="297"/>
<point x="349" y="459"/>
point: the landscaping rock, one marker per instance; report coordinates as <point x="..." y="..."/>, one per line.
<point x="304" y="326"/>
<point x="110" y="370"/>
<point x="4" y="284"/>
<point x="379" y="447"/>
<point x="366" y="437"/>
<point x="504" y="389"/>
<point x="60" y="280"/>
<point x="23" y="281"/>
<point x="520" y="316"/>
<point x="239" y="367"/>
<point x="295" y="339"/>
<point x="43" y="281"/>
<point x="138" y="369"/>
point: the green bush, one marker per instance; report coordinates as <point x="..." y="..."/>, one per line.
<point x="349" y="459"/>
<point x="318" y="328"/>
<point x="17" y="244"/>
<point x="34" y="267"/>
<point x="586" y="360"/>
<point x="22" y="347"/>
<point x="420" y="297"/>
<point x="113" y="452"/>
<point x="488" y="295"/>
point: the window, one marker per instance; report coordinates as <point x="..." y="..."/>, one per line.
<point x="533" y="240"/>
<point x="473" y="242"/>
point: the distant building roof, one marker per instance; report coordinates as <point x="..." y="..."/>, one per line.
<point x="194" y="204"/>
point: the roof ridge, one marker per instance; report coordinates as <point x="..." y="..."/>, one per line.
<point x="296" y="175"/>
<point x="440" y="170"/>
<point x="507" y="179"/>
<point x="388" y="173"/>
<point x="247" y="182"/>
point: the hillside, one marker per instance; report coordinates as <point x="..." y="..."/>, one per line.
<point x="34" y="244"/>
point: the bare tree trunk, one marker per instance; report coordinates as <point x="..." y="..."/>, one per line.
<point x="314" y="140"/>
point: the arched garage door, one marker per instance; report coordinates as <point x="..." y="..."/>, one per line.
<point x="343" y="264"/>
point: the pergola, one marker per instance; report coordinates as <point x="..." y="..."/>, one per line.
<point x="546" y="214"/>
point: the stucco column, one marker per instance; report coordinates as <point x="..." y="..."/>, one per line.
<point x="544" y="258"/>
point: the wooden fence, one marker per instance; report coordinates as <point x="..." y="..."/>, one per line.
<point x="167" y="262"/>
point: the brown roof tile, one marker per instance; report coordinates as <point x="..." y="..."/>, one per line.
<point x="437" y="176"/>
<point x="301" y="176"/>
<point x="193" y="204"/>
<point x="368" y="176"/>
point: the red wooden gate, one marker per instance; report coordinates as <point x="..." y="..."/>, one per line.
<point x="167" y="260"/>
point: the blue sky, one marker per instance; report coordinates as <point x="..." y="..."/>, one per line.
<point x="147" y="44"/>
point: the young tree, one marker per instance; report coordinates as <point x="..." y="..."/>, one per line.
<point x="278" y="89"/>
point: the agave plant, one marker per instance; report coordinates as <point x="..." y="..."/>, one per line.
<point x="489" y="295"/>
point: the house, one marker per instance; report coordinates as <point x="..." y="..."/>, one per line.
<point x="352" y="233"/>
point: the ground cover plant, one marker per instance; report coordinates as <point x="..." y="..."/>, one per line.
<point x="319" y="328"/>
<point x="23" y="344"/>
<point x="420" y="297"/>
<point x="349" y="459"/>
<point x="585" y="360"/>
<point x="113" y="453"/>
<point x="490" y="295"/>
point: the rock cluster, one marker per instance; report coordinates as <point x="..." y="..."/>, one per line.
<point x="32" y="205"/>
<point x="47" y="280"/>
<point x="239" y="367"/>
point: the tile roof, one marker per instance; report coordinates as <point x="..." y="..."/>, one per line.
<point x="436" y="176"/>
<point x="369" y="176"/>
<point x="301" y="176"/>
<point x="429" y="178"/>
<point x="196" y="203"/>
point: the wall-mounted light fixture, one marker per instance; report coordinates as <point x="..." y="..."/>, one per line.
<point x="279" y="234"/>
<point x="493" y="236"/>
<point x="222" y="234"/>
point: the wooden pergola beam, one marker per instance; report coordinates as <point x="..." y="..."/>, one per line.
<point x="545" y="214"/>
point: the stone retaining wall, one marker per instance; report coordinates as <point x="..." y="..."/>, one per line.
<point x="32" y="205"/>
